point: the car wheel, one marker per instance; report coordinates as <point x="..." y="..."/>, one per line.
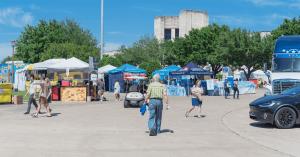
<point x="126" y="104"/>
<point x="141" y="103"/>
<point x="285" y="118"/>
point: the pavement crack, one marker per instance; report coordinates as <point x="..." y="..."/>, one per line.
<point x="245" y="137"/>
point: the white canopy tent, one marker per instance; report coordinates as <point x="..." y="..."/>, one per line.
<point x="103" y="70"/>
<point x="70" y="63"/>
<point x="44" y="65"/>
<point x="20" y="78"/>
<point x="258" y="74"/>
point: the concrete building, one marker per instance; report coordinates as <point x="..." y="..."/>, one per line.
<point x="169" y="27"/>
<point x="110" y="53"/>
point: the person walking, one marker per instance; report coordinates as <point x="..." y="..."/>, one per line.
<point x="117" y="89"/>
<point x="100" y="89"/>
<point x="226" y="88"/>
<point x="43" y="97"/>
<point x="156" y="91"/>
<point x="197" y="92"/>
<point x="236" y="89"/>
<point x="49" y="92"/>
<point x="31" y="92"/>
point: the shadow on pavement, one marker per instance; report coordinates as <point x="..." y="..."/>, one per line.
<point x="263" y="125"/>
<point x="203" y="116"/>
<point x="54" y="114"/>
<point x="163" y="131"/>
<point x="166" y="130"/>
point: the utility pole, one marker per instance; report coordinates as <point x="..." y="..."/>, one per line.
<point x="101" y="56"/>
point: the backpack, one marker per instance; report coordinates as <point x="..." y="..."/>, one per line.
<point x="234" y="86"/>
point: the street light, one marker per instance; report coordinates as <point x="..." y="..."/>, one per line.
<point x="12" y="63"/>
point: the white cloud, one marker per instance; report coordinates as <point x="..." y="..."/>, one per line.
<point x="34" y="7"/>
<point x="289" y="3"/>
<point x="267" y="2"/>
<point x="246" y="20"/>
<point x="15" y="17"/>
<point x="5" y="50"/>
<point x="111" y="46"/>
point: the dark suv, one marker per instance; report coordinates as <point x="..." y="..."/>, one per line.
<point x="282" y="109"/>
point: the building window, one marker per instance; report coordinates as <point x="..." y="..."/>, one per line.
<point x="176" y="32"/>
<point x="167" y="34"/>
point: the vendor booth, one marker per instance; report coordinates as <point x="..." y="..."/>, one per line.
<point x="189" y="71"/>
<point x="164" y="73"/>
<point x="20" y="79"/>
<point x="102" y="71"/>
<point x="70" y="80"/>
<point x="5" y="92"/>
<point x="122" y="73"/>
<point x="40" y="69"/>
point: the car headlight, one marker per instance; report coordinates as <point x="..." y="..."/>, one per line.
<point x="268" y="92"/>
<point x="268" y="104"/>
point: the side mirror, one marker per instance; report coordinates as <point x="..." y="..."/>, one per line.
<point x="265" y="67"/>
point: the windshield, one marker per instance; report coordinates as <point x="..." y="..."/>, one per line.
<point x="286" y="65"/>
<point x="292" y="90"/>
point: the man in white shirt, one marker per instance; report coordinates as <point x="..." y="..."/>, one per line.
<point x="31" y="92"/>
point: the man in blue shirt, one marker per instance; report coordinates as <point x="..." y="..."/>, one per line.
<point x="31" y="92"/>
<point x="225" y="88"/>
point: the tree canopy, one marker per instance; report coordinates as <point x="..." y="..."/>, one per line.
<point x="8" y="58"/>
<point x="34" y="41"/>
<point x="289" y="27"/>
<point x="246" y="49"/>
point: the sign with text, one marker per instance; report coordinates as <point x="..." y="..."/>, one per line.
<point x="210" y="84"/>
<point x="93" y="63"/>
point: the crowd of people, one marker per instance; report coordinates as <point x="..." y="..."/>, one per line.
<point x="156" y="91"/>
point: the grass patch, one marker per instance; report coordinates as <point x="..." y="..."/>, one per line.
<point x="21" y="93"/>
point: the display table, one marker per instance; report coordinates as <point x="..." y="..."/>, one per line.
<point x="177" y="90"/>
<point x="73" y="93"/>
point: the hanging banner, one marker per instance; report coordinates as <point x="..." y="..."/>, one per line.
<point x="93" y="63"/>
<point x="210" y="84"/>
<point x="129" y="74"/>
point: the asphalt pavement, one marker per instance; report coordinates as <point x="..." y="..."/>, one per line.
<point x="108" y="129"/>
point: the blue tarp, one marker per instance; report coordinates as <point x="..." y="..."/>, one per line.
<point x="118" y="73"/>
<point x="165" y="71"/>
<point x="191" y="69"/>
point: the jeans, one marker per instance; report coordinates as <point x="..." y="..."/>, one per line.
<point x="238" y="93"/>
<point x="31" y="100"/>
<point x="155" y="109"/>
<point x="226" y="92"/>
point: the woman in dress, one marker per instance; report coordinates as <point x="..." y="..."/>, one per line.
<point x="117" y="89"/>
<point x="197" y="92"/>
<point x="49" y="91"/>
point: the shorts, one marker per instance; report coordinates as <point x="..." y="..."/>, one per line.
<point x="43" y="100"/>
<point x="49" y="99"/>
<point x="196" y="102"/>
<point x="101" y="92"/>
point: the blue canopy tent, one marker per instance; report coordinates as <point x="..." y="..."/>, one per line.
<point x="165" y="71"/>
<point x="191" y="69"/>
<point x="118" y="73"/>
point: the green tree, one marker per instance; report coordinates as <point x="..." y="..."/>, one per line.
<point x="143" y="65"/>
<point x="35" y="40"/>
<point x="113" y="61"/>
<point x="8" y="58"/>
<point x="152" y="66"/>
<point x="246" y="50"/>
<point x="69" y="50"/>
<point x="289" y="27"/>
<point x="144" y="50"/>
<point x="107" y="60"/>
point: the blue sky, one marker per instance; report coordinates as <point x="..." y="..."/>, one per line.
<point x="126" y="20"/>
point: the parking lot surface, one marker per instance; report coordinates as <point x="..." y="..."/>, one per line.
<point x="108" y="129"/>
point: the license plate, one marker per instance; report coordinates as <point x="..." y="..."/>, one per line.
<point x="133" y="102"/>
